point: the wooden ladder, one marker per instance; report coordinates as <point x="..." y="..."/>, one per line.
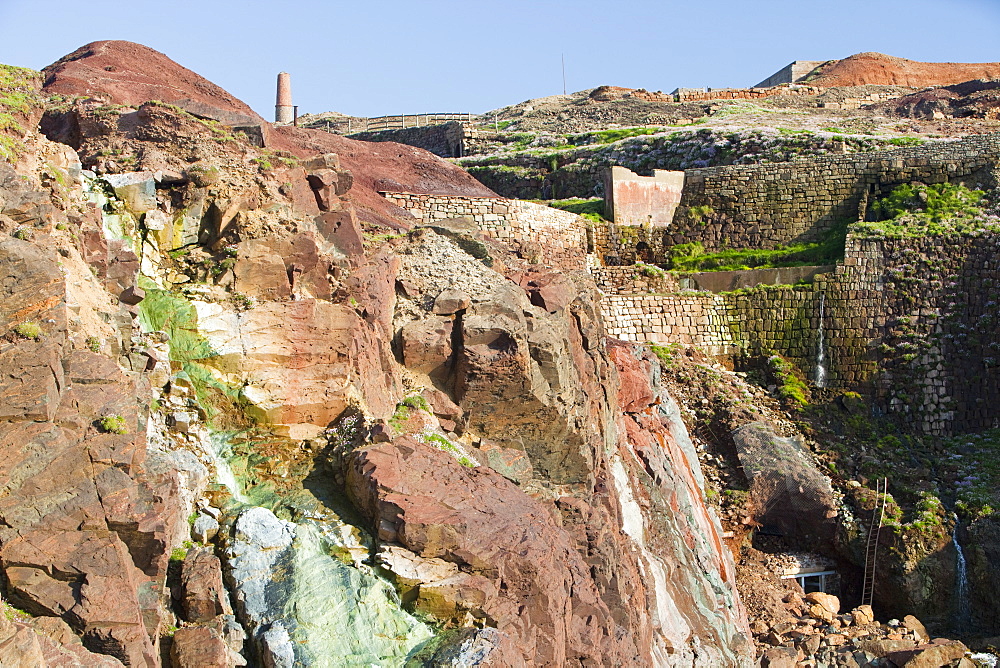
<point x="871" y="550"/>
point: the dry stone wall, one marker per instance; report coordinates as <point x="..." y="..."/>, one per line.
<point x="540" y="233"/>
<point x="766" y="205"/>
<point x="914" y="323"/>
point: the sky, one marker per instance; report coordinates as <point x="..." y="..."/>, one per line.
<point x="389" y="57"/>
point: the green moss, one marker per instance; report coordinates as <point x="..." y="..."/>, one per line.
<point x="29" y="330"/>
<point x="667" y="354"/>
<point x="579" y="206"/>
<point x="692" y="257"/>
<point x="113" y="424"/>
<point x="791" y="388"/>
<point x="442" y="443"/>
<point x="417" y="402"/>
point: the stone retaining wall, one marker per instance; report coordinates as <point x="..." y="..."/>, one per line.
<point x="539" y="233"/>
<point x="633" y="279"/>
<point x="763" y="206"/>
<point x="914" y="323"/>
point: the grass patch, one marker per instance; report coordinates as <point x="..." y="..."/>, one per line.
<point x="29" y="330"/>
<point x="917" y="210"/>
<point x="667" y="354"/>
<point x="18" y="96"/>
<point x="581" y="207"/>
<point x="610" y="136"/>
<point x="443" y="444"/>
<point x="692" y="256"/>
<point x="791" y="388"/>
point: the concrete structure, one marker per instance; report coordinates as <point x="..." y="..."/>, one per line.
<point x="790" y="73"/>
<point x="630" y="199"/>
<point x="283" y="110"/>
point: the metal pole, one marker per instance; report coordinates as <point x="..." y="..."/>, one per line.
<point x="563" y="56"/>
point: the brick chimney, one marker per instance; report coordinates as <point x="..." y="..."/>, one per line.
<point x="283" y="111"/>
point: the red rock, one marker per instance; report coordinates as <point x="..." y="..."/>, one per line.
<point x="426" y="344"/>
<point x="204" y="595"/>
<point x="199" y="647"/>
<point x="880" y="69"/>
<point x="635" y="393"/>
<point x="928" y="656"/>
<point x="140" y="74"/>
<point x="478" y="519"/>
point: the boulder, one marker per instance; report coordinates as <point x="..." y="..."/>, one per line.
<point x="525" y="565"/>
<point x="204" y="596"/>
<point x="780" y="657"/>
<point x="136" y="189"/>
<point x="427" y="344"/>
<point x="913" y="624"/>
<point x="829" y="602"/>
<point x="201" y="647"/>
<point x="260" y="545"/>
<point x="205" y="528"/>
<point x="928" y="656"/>
<point x="451" y="301"/>
<point x="863" y="615"/>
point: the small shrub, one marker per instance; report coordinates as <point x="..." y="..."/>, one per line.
<point x="22" y="233"/>
<point x="113" y="424"/>
<point x="93" y="344"/>
<point x="242" y="302"/>
<point x="417" y="402"/>
<point x="29" y="330"/>
<point x="699" y="213"/>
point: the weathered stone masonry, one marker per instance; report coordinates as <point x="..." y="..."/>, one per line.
<point x="539" y="232"/>
<point x="768" y="205"/>
<point x="763" y="206"/>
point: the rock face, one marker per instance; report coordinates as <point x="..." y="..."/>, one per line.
<point x="525" y="482"/>
<point x="558" y="573"/>
<point x="85" y="531"/>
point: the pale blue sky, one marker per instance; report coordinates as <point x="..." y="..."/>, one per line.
<point x="386" y="56"/>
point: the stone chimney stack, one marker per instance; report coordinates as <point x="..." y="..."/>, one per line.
<point x="283" y="111"/>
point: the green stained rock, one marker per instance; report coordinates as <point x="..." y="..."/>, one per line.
<point x="343" y="616"/>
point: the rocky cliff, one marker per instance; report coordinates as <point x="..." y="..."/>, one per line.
<point x="245" y="422"/>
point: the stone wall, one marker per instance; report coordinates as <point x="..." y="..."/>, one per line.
<point x="763" y="206"/>
<point x="630" y="199"/>
<point x="633" y="279"/>
<point x="445" y="139"/>
<point x="913" y="323"/>
<point x="688" y="95"/>
<point x="538" y="232"/>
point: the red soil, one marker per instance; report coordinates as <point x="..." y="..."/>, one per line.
<point x="883" y="70"/>
<point x="130" y="74"/>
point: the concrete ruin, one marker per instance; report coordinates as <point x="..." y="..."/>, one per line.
<point x="630" y="199"/>
<point x="791" y="73"/>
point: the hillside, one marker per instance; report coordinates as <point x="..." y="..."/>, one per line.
<point x="271" y="396"/>
<point x="128" y="74"/>
<point x="879" y="69"/>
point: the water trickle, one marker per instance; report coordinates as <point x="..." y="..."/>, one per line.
<point x="962" y="611"/>
<point x="820" y="349"/>
<point x="219" y="447"/>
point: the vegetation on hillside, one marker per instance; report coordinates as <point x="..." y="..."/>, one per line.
<point x="916" y="209"/>
<point x="18" y="96"/>
<point x="692" y="256"/>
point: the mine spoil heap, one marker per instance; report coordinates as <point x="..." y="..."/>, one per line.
<point x="272" y="396"/>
